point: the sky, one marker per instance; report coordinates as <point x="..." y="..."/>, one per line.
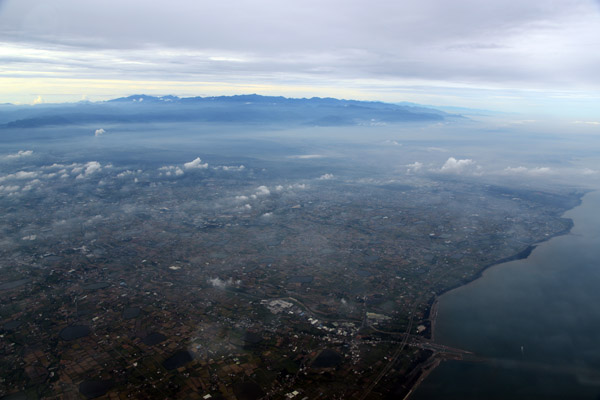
<point x="538" y="57"/>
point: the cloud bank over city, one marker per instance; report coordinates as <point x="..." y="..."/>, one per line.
<point x="534" y="55"/>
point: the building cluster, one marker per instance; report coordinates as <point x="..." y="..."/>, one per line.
<point x="297" y="297"/>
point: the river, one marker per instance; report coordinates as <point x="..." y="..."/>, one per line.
<point x="534" y="324"/>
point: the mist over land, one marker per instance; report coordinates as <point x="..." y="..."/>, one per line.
<point x="409" y="140"/>
<point x="259" y="245"/>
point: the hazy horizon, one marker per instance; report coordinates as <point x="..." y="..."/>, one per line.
<point x="535" y="58"/>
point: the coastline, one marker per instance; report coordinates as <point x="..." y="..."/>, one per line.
<point x="432" y="362"/>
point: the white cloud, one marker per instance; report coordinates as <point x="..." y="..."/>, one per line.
<point x="588" y="171"/>
<point x="171" y="170"/>
<point x="9" y="189"/>
<point x="537" y="171"/>
<point x="540" y="170"/>
<point x="325" y="177"/>
<point x="263" y="191"/>
<point x="99" y="132"/>
<point x="516" y="170"/>
<point x="232" y="168"/>
<point x="125" y="174"/>
<point x="241" y="198"/>
<point x="57" y="166"/>
<point x="299" y="186"/>
<point x="195" y="164"/>
<point x="414" y="167"/>
<point x="88" y="169"/>
<point x="30" y="185"/>
<point x="38" y="100"/>
<point x="91" y="167"/>
<point x="25" y="175"/>
<point x="587" y="122"/>
<point x="452" y="165"/>
<point x="93" y="220"/>
<point x="307" y="156"/>
<point x="222" y="284"/>
<point x="19" y="154"/>
<point x="19" y="175"/>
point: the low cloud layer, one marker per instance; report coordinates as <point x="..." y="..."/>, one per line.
<point x="88" y="169"/>
<point x="536" y="171"/>
<point x="262" y="191"/>
<point x="452" y="165"/>
<point x="19" y="154"/>
<point x="175" y="170"/>
<point x="195" y="164"/>
<point x="307" y="156"/>
<point x="414" y="167"/>
<point x="36" y="177"/>
<point x="231" y="168"/>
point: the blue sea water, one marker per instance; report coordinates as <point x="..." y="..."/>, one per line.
<point x="534" y="324"/>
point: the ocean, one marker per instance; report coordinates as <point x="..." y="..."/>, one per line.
<point x="533" y="324"/>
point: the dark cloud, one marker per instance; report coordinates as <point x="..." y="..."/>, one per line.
<point x="534" y="44"/>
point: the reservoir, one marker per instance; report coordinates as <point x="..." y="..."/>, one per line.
<point x="533" y="324"/>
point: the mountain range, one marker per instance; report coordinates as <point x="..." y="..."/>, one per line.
<point x="246" y="109"/>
